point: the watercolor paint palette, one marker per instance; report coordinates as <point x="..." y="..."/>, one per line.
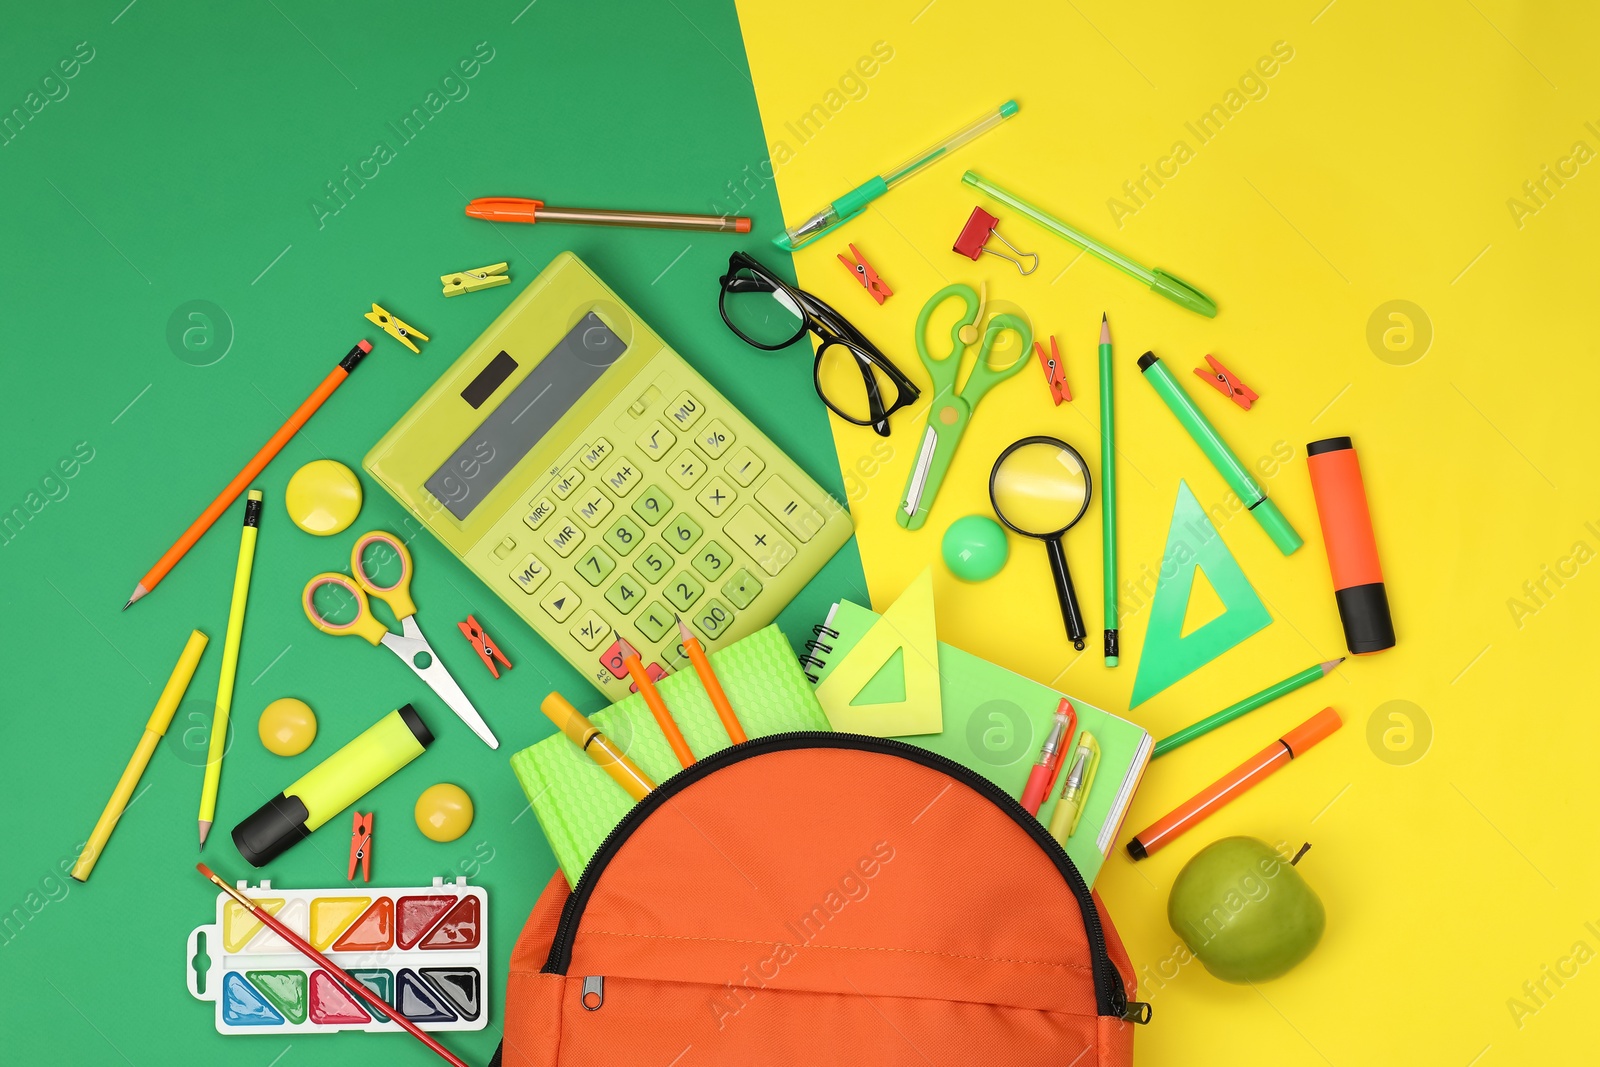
<point x="424" y="950"/>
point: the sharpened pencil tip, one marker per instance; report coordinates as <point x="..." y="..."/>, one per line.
<point x="683" y="629"/>
<point x="627" y="650"/>
<point x="1331" y="664"/>
<point x="205" y="828"/>
<point x="1105" y="329"/>
<point x="138" y="591"/>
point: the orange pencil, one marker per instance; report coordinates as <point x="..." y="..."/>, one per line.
<point x="1274" y="757"/>
<point x="257" y="464"/>
<point x="708" y="678"/>
<point x="657" y="706"/>
<point x="383" y="1008"/>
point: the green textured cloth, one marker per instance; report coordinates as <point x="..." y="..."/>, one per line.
<point x="578" y="804"/>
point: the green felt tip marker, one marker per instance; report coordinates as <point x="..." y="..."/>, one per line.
<point x="1245" y="706"/>
<point x="1108" y="492"/>
<point x="1170" y="286"/>
<point x="1236" y="474"/>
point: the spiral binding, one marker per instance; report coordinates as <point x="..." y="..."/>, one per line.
<point x="814" y="646"/>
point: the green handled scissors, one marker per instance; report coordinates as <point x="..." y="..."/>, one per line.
<point x="950" y="411"/>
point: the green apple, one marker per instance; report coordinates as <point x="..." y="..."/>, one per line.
<point x="1244" y="911"/>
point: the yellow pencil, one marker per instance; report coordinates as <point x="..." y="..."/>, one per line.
<point x="160" y="719"/>
<point x="230" y="663"/>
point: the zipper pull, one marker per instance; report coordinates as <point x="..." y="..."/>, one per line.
<point x="594" y="992"/>
<point x="1136" y="1011"/>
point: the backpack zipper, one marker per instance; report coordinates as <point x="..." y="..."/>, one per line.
<point x="1111" y="996"/>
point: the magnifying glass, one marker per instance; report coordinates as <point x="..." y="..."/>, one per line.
<point x="1040" y="488"/>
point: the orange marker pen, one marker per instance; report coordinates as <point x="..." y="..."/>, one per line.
<point x="1352" y="547"/>
<point x="1235" y="782"/>
<point x="596" y="745"/>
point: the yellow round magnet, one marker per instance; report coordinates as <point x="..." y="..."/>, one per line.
<point x="323" y="497"/>
<point x="287" y="726"/>
<point x="443" y="812"/>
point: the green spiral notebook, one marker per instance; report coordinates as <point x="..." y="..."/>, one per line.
<point x="577" y="804"/>
<point x="993" y="722"/>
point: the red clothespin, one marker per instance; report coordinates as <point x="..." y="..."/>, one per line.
<point x="483" y="644"/>
<point x="1228" y="384"/>
<point x="1055" y="371"/>
<point x="976" y="233"/>
<point x="864" y="273"/>
<point x="361" y="846"/>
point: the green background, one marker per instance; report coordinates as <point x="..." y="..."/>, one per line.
<point x="180" y="165"/>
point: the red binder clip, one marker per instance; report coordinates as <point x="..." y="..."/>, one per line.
<point x="1228" y="384"/>
<point x="866" y="275"/>
<point x="483" y="644"/>
<point x="976" y="233"/>
<point x="360" y="846"/>
<point x="1055" y="372"/>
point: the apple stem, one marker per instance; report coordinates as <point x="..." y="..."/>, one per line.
<point x="1303" y="850"/>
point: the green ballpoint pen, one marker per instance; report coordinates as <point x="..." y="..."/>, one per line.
<point x="1108" y="492"/>
<point x="1173" y="288"/>
<point x="856" y="200"/>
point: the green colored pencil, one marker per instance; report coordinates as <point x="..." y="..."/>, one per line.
<point x="1248" y="704"/>
<point x="1108" y="492"/>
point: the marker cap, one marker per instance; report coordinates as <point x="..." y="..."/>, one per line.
<point x="1314" y="729"/>
<point x="1277" y="526"/>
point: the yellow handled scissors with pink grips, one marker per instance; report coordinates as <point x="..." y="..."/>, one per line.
<point x="409" y="644"/>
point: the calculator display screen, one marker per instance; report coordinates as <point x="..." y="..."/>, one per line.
<point x="525" y="415"/>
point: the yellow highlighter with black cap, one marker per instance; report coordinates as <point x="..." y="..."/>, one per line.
<point x="1075" y="790"/>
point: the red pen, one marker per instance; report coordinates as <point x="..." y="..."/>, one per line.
<point x="1048" y="765"/>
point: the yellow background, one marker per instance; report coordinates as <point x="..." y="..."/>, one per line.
<point x="1376" y="167"/>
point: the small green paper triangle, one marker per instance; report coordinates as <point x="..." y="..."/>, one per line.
<point x="1168" y="654"/>
<point x="888" y="686"/>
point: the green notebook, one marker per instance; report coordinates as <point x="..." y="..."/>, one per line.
<point x="994" y="721"/>
<point x="578" y="804"/>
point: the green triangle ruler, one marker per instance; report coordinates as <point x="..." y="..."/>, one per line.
<point x="1168" y="655"/>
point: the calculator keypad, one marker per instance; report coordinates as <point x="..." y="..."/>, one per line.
<point x="683" y="520"/>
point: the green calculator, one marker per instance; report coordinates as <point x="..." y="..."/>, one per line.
<point x="602" y="488"/>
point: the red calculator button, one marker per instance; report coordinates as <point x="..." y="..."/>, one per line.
<point x="655" y="671"/>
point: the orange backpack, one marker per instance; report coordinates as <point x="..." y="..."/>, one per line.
<point x="822" y="898"/>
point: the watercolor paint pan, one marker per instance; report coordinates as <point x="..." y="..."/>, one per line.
<point x="424" y="950"/>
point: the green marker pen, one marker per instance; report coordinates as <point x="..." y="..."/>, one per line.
<point x="1236" y="474"/>
<point x="332" y="786"/>
<point x="1108" y="492"/>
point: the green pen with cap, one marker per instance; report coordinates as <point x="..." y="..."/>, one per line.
<point x="1170" y="286"/>
<point x="1236" y="474"/>
<point x="856" y="200"/>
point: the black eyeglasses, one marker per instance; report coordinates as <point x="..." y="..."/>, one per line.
<point x="852" y="377"/>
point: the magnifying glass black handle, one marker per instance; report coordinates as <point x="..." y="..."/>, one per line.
<point x="1071" y="614"/>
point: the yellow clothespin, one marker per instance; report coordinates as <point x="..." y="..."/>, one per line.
<point x="395" y="328"/>
<point x="470" y="281"/>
